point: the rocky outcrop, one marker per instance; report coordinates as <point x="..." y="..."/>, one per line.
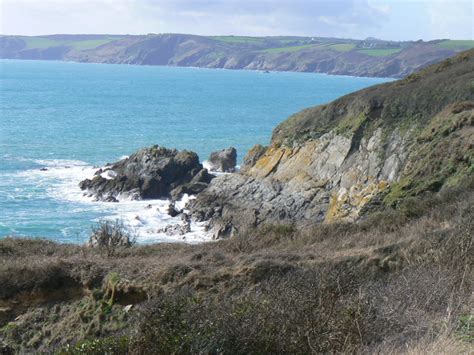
<point x="335" y="162"/>
<point x="178" y="228"/>
<point x="253" y="155"/>
<point x="223" y="161"/>
<point x="150" y="173"/>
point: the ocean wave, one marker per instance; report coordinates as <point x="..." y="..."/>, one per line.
<point x="60" y="179"/>
<point x="207" y="165"/>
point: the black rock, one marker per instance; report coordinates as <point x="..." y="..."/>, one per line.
<point x="172" y="210"/>
<point x="224" y="160"/>
<point x="199" y="182"/>
<point x="149" y="173"/>
<point x="110" y="199"/>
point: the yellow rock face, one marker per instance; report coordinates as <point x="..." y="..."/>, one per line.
<point x="325" y="164"/>
<point x="346" y="204"/>
<point x="270" y="160"/>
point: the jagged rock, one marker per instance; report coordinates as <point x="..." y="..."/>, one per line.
<point x="362" y="152"/>
<point x="224" y="160"/>
<point x="198" y="183"/>
<point x="236" y="202"/>
<point x="172" y="210"/>
<point x="110" y="199"/>
<point x="254" y="154"/>
<point x="179" y="228"/>
<point x="149" y="173"/>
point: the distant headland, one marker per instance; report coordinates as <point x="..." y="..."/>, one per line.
<point x="370" y="57"/>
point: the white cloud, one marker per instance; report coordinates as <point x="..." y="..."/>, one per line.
<point x="391" y="19"/>
<point x="452" y="19"/>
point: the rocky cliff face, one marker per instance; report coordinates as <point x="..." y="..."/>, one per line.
<point x="372" y="148"/>
<point x="303" y="54"/>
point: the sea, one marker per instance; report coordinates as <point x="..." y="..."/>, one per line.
<point x="60" y="121"/>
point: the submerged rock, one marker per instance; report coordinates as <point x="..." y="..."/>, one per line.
<point x="223" y="161"/>
<point x="179" y="228"/>
<point x="172" y="210"/>
<point x="149" y="173"/>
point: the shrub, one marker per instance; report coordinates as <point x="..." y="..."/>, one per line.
<point x="112" y="236"/>
<point x="111" y="345"/>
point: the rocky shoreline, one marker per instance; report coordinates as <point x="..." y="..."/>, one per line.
<point x="159" y="173"/>
<point x="331" y="163"/>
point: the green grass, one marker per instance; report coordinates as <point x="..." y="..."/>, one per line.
<point x="39" y="42"/>
<point x="342" y="47"/>
<point x="90" y="44"/>
<point x="380" y="52"/>
<point x="42" y="43"/>
<point x="287" y="49"/>
<point x="456" y="44"/>
<point x="289" y="41"/>
<point x="238" y="39"/>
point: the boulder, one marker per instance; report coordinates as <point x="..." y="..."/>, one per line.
<point x="179" y="228"/>
<point x="223" y="161"/>
<point x="172" y="210"/>
<point x="150" y="173"/>
<point x="198" y="183"/>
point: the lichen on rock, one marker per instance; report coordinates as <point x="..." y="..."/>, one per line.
<point x="371" y="148"/>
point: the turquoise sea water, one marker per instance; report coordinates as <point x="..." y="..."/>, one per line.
<point x="69" y="117"/>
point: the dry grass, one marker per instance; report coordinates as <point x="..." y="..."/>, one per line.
<point x="399" y="281"/>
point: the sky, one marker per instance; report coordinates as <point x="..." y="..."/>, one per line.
<point x="384" y="19"/>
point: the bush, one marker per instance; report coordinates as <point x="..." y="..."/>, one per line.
<point x="111" y="237"/>
<point x="112" y="345"/>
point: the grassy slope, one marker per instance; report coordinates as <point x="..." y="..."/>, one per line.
<point x="288" y="49"/>
<point x="379" y="52"/>
<point x="268" y="44"/>
<point x="396" y="282"/>
<point x="306" y="54"/>
<point x="45" y="42"/>
<point x="342" y="47"/>
<point x="456" y="44"/>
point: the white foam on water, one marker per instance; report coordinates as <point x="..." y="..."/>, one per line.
<point x="61" y="180"/>
<point x="109" y="174"/>
<point x="207" y="165"/>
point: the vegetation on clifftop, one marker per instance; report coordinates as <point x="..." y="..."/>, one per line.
<point x="431" y="111"/>
<point x="399" y="281"/>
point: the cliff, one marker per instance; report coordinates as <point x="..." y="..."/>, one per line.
<point x="370" y="57"/>
<point x="365" y="151"/>
<point x="400" y="281"/>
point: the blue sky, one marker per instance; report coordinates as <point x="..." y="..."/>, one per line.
<point x="386" y="19"/>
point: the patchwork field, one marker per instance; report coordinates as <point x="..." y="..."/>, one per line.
<point x="369" y="57"/>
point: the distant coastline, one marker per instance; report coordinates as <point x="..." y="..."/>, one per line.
<point x="360" y="58"/>
<point x="388" y="79"/>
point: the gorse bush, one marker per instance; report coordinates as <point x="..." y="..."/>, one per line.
<point x="112" y="236"/>
<point x="396" y="282"/>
